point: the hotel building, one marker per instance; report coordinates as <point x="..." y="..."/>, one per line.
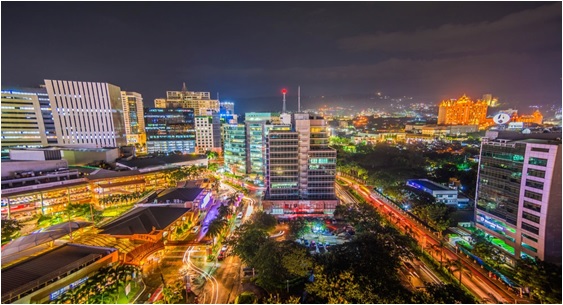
<point x="519" y="194"/>
<point x="462" y="111"/>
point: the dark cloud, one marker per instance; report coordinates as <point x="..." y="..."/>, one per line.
<point x="249" y="51"/>
<point x="529" y="29"/>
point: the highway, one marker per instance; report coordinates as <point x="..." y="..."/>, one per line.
<point x="474" y="279"/>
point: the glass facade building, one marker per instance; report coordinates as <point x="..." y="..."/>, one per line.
<point x="170" y="129"/>
<point x="519" y="194"/>
<point x="235" y="147"/>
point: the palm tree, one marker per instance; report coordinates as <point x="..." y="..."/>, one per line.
<point x="215" y="228"/>
<point x="456" y="265"/>
<point x="224" y="210"/>
<point x="233" y="198"/>
<point x="440" y="247"/>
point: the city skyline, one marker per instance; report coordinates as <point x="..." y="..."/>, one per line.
<point x="512" y="51"/>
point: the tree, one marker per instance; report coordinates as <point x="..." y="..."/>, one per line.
<point x="173" y="294"/>
<point x="456" y="265"/>
<point x="10" y="229"/>
<point x="264" y="220"/>
<point x="442" y="294"/>
<point x="245" y="241"/>
<point x="215" y="228"/>
<point x="279" y="264"/>
<point x="297" y="227"/>
<point x="224" y="211"/>
<point x="543" y="279"/>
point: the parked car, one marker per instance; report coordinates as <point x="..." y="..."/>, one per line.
<point x="195" y="229"/>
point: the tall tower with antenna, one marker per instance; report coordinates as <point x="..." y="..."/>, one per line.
<point x="284" y="91"/>
<point x="298" y="98"/>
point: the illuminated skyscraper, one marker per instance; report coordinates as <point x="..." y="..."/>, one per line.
<point x="169" y="130"/>
<point x="235" y="147"/>
<point x="208" y="132"/>
<point x="133" y="114"/>
<point x="200" y="102"/>
<point x="462" y="111"/>
<point x="300" y="168"/>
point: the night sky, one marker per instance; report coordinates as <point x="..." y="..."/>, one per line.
<point x="249" y="51"/>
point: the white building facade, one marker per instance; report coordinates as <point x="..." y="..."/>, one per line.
<point x="87" y="113"/>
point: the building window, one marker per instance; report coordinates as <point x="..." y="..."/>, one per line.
<point x="534" y="184"/>
<point x="532" y="206"/>
<point x="533" y="195"/>
<point x="531" y="217"/>
<point x="524" y="245"/>
<point x="537" y="161"/>
<point x="530" y="228"/>
<point x="539" y="149"/>
<point x="536" y="173"/>
<point x="530" y="237"/>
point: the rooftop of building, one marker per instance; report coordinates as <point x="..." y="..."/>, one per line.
<point x="142" y="220"/>
<point x="171" y="194"/>
<point x="431" y="185"/>
<point x="67" y="148"/>
<point x="152" y="161"/>
<point x="59" y="260"/>
<point x="517" y="136"/>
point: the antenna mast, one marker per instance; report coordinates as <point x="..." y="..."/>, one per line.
<point x="284" y="91"/>
<point x="298" y="98"/>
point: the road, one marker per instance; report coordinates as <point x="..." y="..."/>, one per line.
<point x="474" y="279"/>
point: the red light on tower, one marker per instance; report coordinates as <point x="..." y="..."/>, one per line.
<point x="284" y="91"/>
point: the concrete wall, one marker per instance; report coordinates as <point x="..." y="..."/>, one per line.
<point x="10" y="168"/>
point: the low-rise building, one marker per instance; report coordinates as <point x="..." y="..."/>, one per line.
<point x="44" y="277"/>
<point x="439" y="192"/>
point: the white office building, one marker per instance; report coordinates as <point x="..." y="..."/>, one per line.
<point x="87" y="113"/>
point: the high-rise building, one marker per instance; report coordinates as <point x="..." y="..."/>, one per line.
<point x="200" y="102"/>
<point x="22" y="121"/>
<point x="208" y="132"/>
<point x="160" y="103"/>
<point x="234" y="137"/>
<point x="519" y="194"/>
<point x="133" y="114"/>
<point x="46" y="113"/>
<point x="227" y="108"/>
<point x="300" y="168"/>
<point x="87" y="113"/>
<point x="534" y="118"/>
<point x="462" y="111"/>
<point x="490" y="100"/>
<point x="169" y="130"/>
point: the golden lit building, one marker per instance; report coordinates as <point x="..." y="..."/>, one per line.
<point x="462" y="111"/>
<point x="536" y="118"/>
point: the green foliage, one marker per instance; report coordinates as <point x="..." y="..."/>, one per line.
<point x="442" y="294"/>
<point x="101" y="288"/>
<point x="174" y="293"/>
<point x="246" y="297"/>
<point x="297" y="227"/>
<point x="543" y="280"/>
<point x="275" y="299"/>
<point x="264" y="220"/>
<point x="279" y="264"/>
<point x="245" y="241"/>
<point x="10" y="229"/>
